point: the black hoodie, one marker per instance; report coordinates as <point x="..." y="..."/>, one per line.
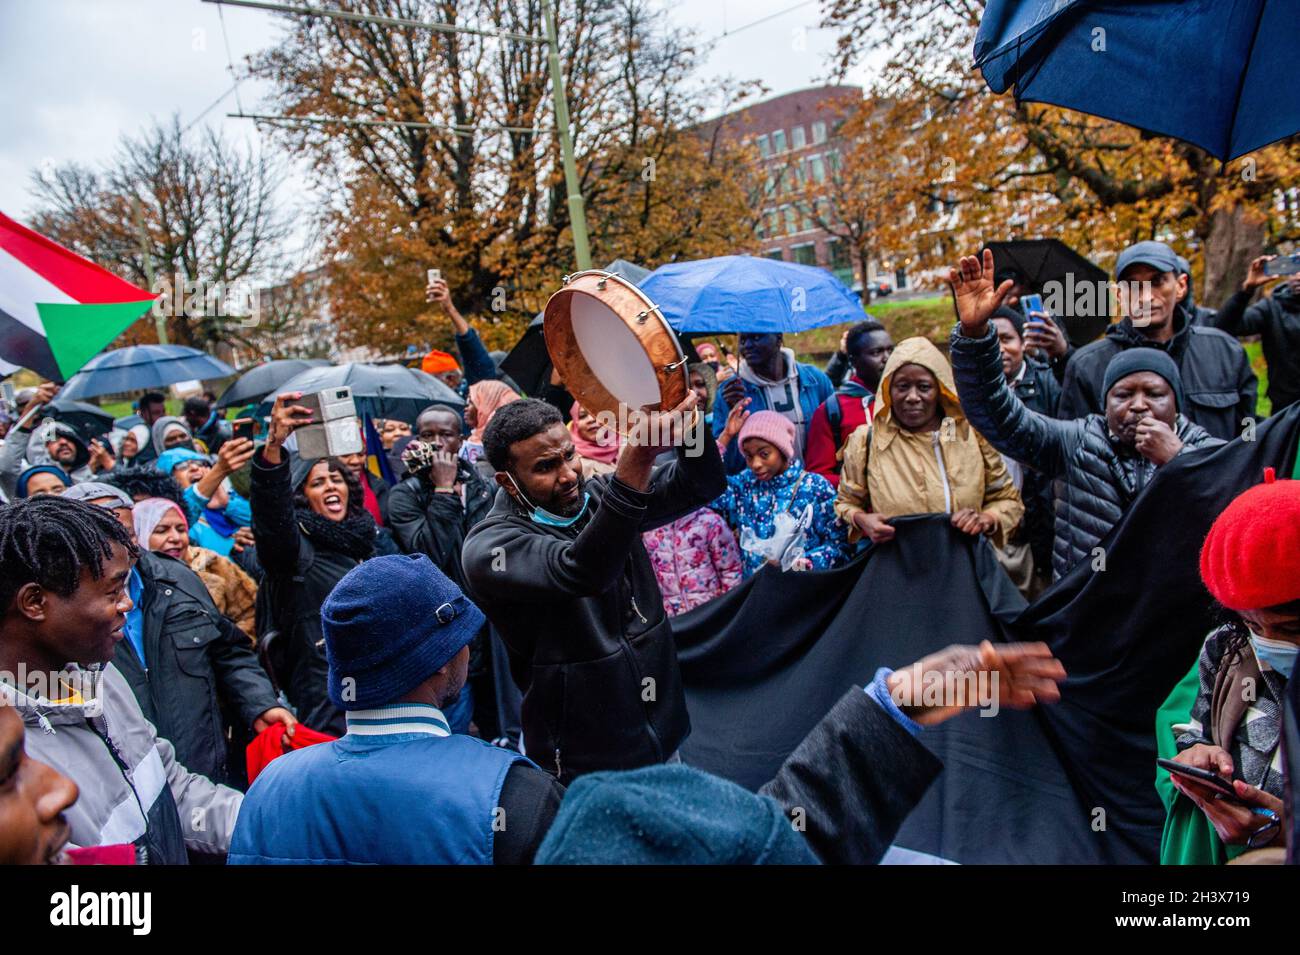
<point x="1276" y="319"/>
<point x="1217" y="380"/>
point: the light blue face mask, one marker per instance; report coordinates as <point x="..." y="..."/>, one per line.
<point x="1278" y="654"/>
<point x="540" y="515"/>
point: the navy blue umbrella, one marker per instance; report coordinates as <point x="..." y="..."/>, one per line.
<point x="743" y="293"/>
<point x="261" y="380"/>
<point x="142" y="366"/>
<point x="1220" y="74"/>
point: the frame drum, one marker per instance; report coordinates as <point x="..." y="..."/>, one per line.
<point x="612" y="346"/>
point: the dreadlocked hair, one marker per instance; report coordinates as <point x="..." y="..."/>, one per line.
<point x="48" y="541"/>
<point x="146" y="481"/>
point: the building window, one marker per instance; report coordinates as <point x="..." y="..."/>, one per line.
<point x="774" y="254"/>
<point x="764" y="148"/>
<point x="769" y="185"/>
<point x="805" y="254"/>
<point x="773" y="222"/>
<point x="833" y="161"/>
<point x="778" y="141"/>
<point x="790" y="227"/>
<point x="839" y="255"/>
<point x="819" y="132"/>
<point x="808" y="224"/>
<point x="818" y="169"/>
<point x="797" y="138"/>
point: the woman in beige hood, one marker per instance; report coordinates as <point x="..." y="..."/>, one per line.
<point x="921" y="456"/>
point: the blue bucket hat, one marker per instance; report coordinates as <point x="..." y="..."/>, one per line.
<point x="390" y="624"/>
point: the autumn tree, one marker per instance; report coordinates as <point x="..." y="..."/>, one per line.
<point x="202" y="208"/>
<point x="471" y="180"/>
<point x="1034" y="170"/>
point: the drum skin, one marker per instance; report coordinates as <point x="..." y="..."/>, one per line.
<point x="622" y="330"/>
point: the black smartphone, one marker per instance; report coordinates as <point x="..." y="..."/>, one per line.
<point x="1200" y="775"/>
<point x="245" y="428"/>
<point x="1283" y="265"/>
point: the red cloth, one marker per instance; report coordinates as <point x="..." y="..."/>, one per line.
<point x="123" y="853"/>
<point x="819" y="450"/>
<point x="269" y="745"/>
<point x="370" y="501"/>
<point x="1251" y="557"/>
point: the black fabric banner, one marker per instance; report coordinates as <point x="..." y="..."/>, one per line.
<point x="1069" y="783"/>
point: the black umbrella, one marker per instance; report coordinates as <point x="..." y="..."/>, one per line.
<point x="528" y="362"/>
<point x="256" y="384"/>
<point x="1061" y="275"/>
<point x="89" y="421"/>
<point x="380" y="391"/>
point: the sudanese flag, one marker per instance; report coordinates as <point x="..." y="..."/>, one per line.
<point x="57" y="309"/>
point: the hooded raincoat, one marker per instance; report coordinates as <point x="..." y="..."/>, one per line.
<point x="892" y="471"/>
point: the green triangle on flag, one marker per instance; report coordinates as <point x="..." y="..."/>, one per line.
<point x="77" y="333"/>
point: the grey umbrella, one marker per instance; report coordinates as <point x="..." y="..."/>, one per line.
<point x="380" y="391"/>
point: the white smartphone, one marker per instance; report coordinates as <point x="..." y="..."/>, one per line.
<point x="434" y="275"/>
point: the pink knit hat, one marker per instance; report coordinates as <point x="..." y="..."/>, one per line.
<point x="776" y="429"/>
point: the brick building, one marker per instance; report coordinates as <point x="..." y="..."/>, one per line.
<point x="796" y="137"/>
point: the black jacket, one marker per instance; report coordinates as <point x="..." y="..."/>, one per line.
<point x="580" y="612"/>
<point x="1217" y="380"/>
<point x="1276" y="319"/>
<point x="1097" y="479"/>
<point x="194" y="657"/>
<point x="298" y="577"/>
<point x="1040" y="392"/>
<point x="425" y="522"/>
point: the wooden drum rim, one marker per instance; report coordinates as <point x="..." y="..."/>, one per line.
<point x="641" y="317"/>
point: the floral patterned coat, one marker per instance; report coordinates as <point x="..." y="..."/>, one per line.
<point x="695" y="558"/>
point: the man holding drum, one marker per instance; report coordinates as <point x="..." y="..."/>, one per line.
<point x="559" y="567"/>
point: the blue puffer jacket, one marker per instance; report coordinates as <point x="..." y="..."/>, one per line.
<point x="1097" y="478"/>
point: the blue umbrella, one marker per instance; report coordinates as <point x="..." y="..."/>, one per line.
<point x="142" y="366"/>
<point x="1220" y="74"/>
<point x="742" y="293"/>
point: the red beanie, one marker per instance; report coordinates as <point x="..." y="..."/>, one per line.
<point x="1251" y="557"/>
<point x="776" y="429"/>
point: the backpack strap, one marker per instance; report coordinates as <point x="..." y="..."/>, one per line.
<point x="835" y="418"/>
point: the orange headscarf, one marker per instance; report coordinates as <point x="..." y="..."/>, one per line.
<point x="487" y="396"/>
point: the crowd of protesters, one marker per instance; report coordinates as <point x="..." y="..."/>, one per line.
<point x="500" y="615"/>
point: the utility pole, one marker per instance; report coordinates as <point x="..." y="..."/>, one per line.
<point x="577" y="209"/>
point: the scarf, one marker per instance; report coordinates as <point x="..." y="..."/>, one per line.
<point x="487" y="396"/>
<point x="354" y="536"/>
<point x="604" y="449"/>
<point x="147" y="514"/>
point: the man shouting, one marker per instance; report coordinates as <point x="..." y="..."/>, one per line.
<point x="559" y="568"/>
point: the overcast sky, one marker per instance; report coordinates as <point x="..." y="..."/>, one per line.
<point x="80" y="73"/>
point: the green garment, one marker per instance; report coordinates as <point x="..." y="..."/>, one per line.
<point x="1189" y="838"/>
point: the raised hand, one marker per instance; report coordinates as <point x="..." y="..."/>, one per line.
<point x="1012" y="675"/>
<point x="974" y="293"/>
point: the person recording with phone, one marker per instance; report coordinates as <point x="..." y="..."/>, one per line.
<point x="1250" y="564"/>
<point x="476" y="364"/>
<point x="1275" y="318"/>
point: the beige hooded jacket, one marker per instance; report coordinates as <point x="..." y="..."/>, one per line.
<point x="944" y="471"/>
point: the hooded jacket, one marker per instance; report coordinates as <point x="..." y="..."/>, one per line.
<point x="24" y="448"/>
<point x="1220" y="387"/>
<point x="796" y="396"/>
<point x="582" y="618"/>
<point x="1097" y="478"/>
<point x="892" y="471"/>
<point x="1276" y="319"/>
<point x="160" y="428"/>
<point x="132" y="789"/>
